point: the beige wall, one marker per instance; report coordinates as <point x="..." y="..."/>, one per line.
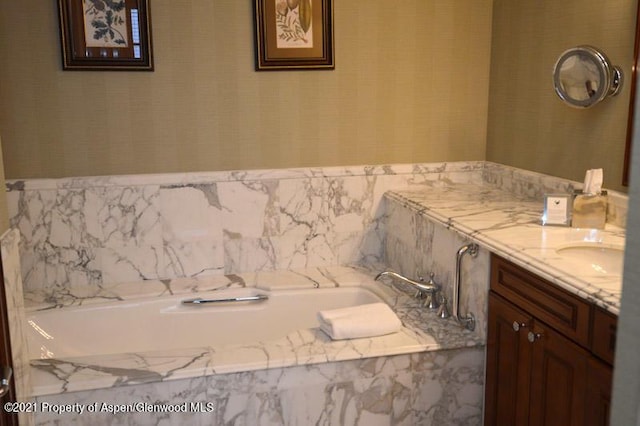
<point x="4" y="217"/>
<point x="410" y="84"/>
<point x="529" y="126"/>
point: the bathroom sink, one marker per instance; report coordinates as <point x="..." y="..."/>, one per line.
<point x="602" y="258"/>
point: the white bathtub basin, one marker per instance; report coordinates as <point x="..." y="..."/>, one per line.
<point x="164" y="323"/>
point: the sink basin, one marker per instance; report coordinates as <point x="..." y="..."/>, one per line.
<point x="601" y="258"/>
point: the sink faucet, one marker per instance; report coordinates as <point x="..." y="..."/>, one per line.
<point x="430" y="288"/>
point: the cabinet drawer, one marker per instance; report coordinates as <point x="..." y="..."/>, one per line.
<point x="604" y="328"/>
<point x="559" y="309"/>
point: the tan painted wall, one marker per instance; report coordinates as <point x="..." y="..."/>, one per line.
<point x="4" y="216"/>
<point x="410" y="85"/>
<point x="529" y="126"/>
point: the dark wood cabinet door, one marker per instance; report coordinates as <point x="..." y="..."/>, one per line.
<point x="549" y="353"/>
<point x="508" y="364"/>
<point x="558" y="379"/>
<point x="599" y="383"/>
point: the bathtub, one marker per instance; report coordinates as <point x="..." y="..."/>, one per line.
<point x="262" y="362"/>
<point x="155" y="324"/>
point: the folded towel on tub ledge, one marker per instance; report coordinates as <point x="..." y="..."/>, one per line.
<point x="372" y="319"/>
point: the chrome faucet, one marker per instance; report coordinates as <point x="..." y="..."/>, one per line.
<point x="429" y="289"/>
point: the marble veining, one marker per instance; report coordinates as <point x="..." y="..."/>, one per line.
<point x="79" y="235"/>
<point x="418" y="170"/>
<point x="15" y="308"/>
<point x="440" y="387"/>
<point x="429" y="373"/>
<point x="102" y="240"/>
<point x="422" y="331"/>
<point x="509" y="225"/>
<point x="535" y="185"/>
<point x="415" y="245"/>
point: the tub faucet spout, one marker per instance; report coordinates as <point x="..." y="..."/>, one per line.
<point x="430" y="289"/>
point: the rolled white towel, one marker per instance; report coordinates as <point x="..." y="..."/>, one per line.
<point x="373" y="319"/>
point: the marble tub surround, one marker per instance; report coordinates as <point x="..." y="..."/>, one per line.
<point x="508" y="225"/>
<point x="422" y="331"/>
<point x="416" y="245"/>
<point x="427" y="388"/>
<point x="83" y="233"/>
<point x="125" y="291"/>
<point x="300" y="278"/>
<point x="9" y="248"/>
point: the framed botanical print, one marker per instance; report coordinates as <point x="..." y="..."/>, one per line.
<point x="105" y="35"/>
<point x="293" y="34"/>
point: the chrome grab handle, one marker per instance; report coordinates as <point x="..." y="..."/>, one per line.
<point x="469" y="320"/>
<point x="200" y="301"/>
<point x="5" y="379"/>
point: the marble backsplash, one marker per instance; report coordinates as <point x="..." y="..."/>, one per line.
<point x="78" y="234"/>
<point x="414" y="244"/>
<point x="535" y="185"/>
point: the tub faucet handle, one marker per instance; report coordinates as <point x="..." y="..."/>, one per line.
<point x="432" y="281"/>
<point x="443" y="311"/>
<point x="432" y="300"/>
<point x="419" y="294"/>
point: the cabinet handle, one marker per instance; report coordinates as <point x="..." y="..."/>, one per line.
<point x="532" y="337"/>
<point x="5" y="380"/>
<point x="518" y="325"/>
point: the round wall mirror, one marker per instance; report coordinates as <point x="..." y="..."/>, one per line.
<point x="583" y="76"/>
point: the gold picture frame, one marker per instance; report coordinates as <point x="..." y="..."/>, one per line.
<point x="294" y="34"/>
<point x="105" y="35"/>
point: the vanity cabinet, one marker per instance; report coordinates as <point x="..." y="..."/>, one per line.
<point x="549" y="353"/>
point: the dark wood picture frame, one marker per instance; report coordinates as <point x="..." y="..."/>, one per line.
<point x="105" y="35"/>
<point x="294" y="34"/>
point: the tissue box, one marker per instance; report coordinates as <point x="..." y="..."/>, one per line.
<point x="589" y="211"/>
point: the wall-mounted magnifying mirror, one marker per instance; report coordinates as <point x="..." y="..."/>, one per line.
<point x="583" y="77"/>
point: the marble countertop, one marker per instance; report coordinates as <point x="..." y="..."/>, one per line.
<point x="509" y="225"/>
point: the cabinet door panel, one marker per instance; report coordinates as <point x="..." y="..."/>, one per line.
<point x="599" y="384"/>
<point x="545" y="301"/>
<point x="558" y="380"/>
<point x="604" y="335"/>
<point x="508" y="365"/>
